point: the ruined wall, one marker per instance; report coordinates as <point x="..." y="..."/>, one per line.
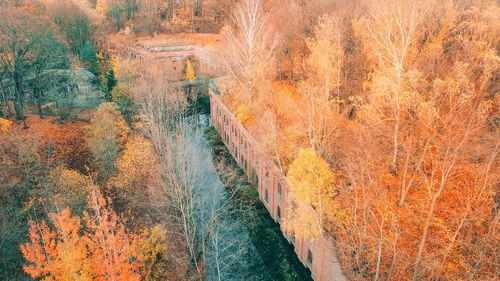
<point x="318" y="255"/>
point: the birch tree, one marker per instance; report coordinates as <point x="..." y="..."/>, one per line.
<point x="392" y="29"/>
<point x="321" y="89"/>
<point x="250" y="45"/>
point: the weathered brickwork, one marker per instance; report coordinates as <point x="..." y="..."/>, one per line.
<point x="318" y="255"/>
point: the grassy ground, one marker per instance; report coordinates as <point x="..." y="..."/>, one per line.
<point x="279" y="259"/>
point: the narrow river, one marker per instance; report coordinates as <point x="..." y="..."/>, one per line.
<point x="240" y="240"/>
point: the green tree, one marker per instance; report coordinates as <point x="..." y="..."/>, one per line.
<point x="106" y="77"/>
<point x="110" y="82"/>
<point x="43" y="74"/>
<point x="88" y="57"/>
<point x="27" y="47"/>
<point x="122" y="97"/>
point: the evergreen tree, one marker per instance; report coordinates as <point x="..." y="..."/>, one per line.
<point x="88" y="57"/>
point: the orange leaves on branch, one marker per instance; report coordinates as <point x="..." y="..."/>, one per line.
<point x="5" y="125"/>
<point x="39" y="251"/>
<point x="104" y="250"/>
<point x="58" y="254"/>
<point x="114" y="255"/>
<point x="190" y="74"/>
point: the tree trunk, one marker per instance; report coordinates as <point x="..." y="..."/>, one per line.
<point x="423" y="240"/>
<point x="394" y="166"/>
<point x="170" y="11"/>
<point x="4" y="98"/>
<point x="202" y="16"/>
<point x="38" y="97"/>
<point x="379" y="251"/>
<point x="18" y="101"/>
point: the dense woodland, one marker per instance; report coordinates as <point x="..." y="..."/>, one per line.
<point x="384" y="116"/>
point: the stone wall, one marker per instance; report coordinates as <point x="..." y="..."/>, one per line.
<point x="319" y="254"/>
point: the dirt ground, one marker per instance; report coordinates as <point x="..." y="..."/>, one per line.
<point x="65" y="142"/>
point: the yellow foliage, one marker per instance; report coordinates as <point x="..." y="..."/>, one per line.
<point x="69" y="188"/>
<point x="155" y="242"/>
<point x="190" y="75"/>
<point x="106" y="135"/>
<point x="302" y="221"/>
<point x="101" y="7"/>
<point x="136" y="162"/>
<point x="153" y="246"/>
<point x="311" y="181"/>
<point x="99" y="56"/>
<point x="285" y="88"/>
<point x="113" y="61"/>
<point x="5" y="125"/>
<point x="310" y="175"/>
<point x="245" y="115"/>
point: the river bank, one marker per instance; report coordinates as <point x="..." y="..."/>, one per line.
<point x="279" y="261"/>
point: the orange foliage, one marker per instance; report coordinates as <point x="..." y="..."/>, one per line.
<point x="66" y="142"/>
<point x="400" y="98"/>
<point x="102" y="251"/>
<point x="58" y="254"/>
<point x="114" y="253"/>
<point x="5" y="125"/>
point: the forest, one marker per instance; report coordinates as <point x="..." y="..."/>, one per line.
<point x="383" y="115"/>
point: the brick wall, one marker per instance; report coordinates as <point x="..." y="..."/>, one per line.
<point x="318" y="255"/>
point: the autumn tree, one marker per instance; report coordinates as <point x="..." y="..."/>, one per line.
<point x="115" y="256"/>
<point x="154" y="248"/>
<point x="311" y="180"/>
<point x="26" y="45"/>
<point x="321" y="89"/>
<point x="67" y="189"/>
<point x="58" y="254"/>
<point x="456" y="123"/>
<point x="135" y="173"/>
<point x="250" y="45"/>
<point x="392" y="31"/>
<point x="105" y="137"/>
<point x="102" y="250"/>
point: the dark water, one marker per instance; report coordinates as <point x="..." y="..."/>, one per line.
<point x="245" y="243"/>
